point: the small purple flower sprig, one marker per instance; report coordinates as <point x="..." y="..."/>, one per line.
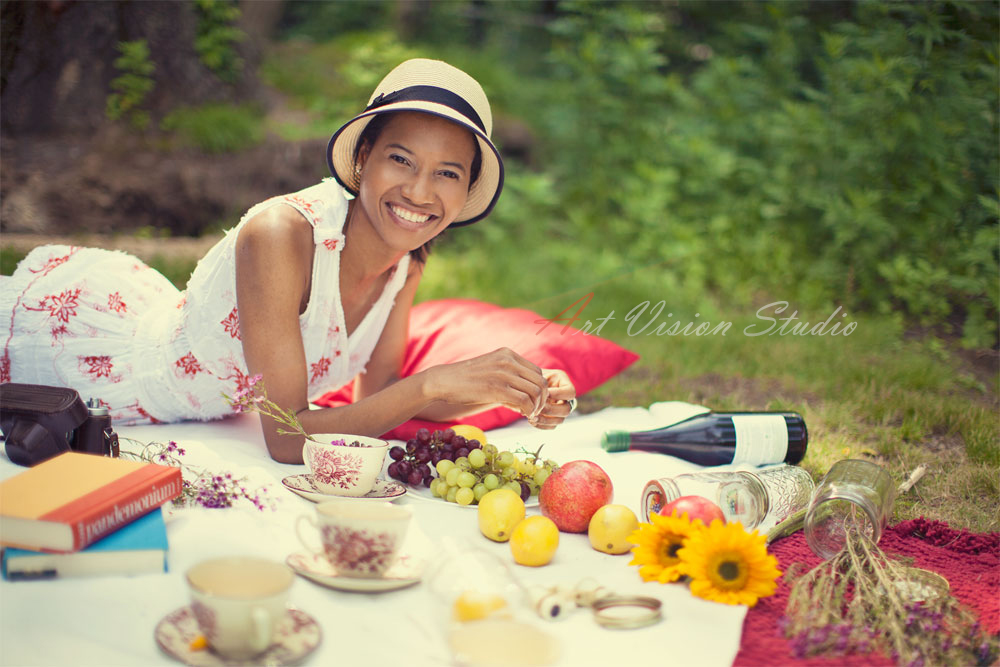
<point x="344" y="443"/>
<point x="253" y="398"/>
<point x="199" y="488"/>
<point x="861" y="600"/>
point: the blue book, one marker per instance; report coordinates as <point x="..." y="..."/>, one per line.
<point x="136" y="548"/>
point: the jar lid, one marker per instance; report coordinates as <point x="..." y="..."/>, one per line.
<point x="625" y="612"/>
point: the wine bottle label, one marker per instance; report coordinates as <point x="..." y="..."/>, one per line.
<point x="760" y="439"/>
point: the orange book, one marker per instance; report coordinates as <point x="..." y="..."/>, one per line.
<point x="72" y="500"/>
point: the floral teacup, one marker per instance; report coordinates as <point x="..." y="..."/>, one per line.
<point x="238" y="602"/>
<point x="359" y="539"/>
<point x="344" y="465"/>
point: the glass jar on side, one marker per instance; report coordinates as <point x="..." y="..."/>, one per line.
<point x="853" y="496"/>
<point x="758" y="500"/>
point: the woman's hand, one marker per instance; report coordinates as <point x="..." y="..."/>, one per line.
<point x="561" y="400"/>
<point x="502" y="377"/>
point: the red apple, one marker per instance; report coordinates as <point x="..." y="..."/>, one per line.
<point x="572" y="494"/>
<point x="695" y="507"/>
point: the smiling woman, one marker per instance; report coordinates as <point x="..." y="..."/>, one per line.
<point x="310" y="290"/>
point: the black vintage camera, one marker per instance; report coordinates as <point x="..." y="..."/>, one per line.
<point x="39" y="422"/>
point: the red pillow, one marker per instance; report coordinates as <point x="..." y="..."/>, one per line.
<point x="450" y="330"/>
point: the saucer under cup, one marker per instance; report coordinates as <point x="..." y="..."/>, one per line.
<point x="348" y="469"/>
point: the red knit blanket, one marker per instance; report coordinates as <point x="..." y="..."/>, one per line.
<point x="969" y="561"/>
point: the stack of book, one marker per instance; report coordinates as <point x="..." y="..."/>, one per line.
<point x="79" y="514"/>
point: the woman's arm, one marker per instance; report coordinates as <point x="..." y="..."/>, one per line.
<point x="387" y="360"/>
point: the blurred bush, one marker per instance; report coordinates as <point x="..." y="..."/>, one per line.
<point x="217" y="128"/>
<point x="850" y="161"/>
<point x="821" y="153"/>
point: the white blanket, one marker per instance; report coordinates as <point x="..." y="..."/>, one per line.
<point x="109" y="620"/>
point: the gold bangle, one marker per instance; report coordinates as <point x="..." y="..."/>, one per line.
<point x="639" y="611"/>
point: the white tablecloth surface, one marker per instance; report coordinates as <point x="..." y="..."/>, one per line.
<point x="109" y="620"/>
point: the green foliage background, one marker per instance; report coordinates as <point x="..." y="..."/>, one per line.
<point x="821" y="153"/>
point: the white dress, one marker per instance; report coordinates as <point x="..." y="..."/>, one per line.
<point x="107" y="325"/>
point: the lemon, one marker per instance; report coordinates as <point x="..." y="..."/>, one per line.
<point x="474" y="605"/>
<point x="470" y="432"/>
<point x="610" y="527"/>
<point x="534" y="541"/>
<point x="499" y="511"/>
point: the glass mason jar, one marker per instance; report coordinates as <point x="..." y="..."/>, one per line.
<point x="855" y="495"/>
<point x="758" y="500"/>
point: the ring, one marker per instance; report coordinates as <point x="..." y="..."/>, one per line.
<point x="572" y="405"/>
<point x="627" y="612"/>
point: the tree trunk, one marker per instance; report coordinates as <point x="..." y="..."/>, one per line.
<point x="58" y="61"/>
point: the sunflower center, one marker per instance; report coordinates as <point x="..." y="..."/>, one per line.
<point x="669" y="547"/>
<point x="728" y="571"/>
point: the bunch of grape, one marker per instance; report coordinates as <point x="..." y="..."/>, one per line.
<point x="466" y="479"/>
<point x="412" y="464"/>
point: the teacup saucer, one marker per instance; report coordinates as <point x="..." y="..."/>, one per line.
<point x="406" y="571"/>
<point x="298" y="635"/>
<point x="303" y="485"/>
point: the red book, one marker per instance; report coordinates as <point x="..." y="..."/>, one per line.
<point x="72" y="500"/>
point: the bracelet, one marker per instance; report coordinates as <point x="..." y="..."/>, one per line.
<point x="627" y="612"/>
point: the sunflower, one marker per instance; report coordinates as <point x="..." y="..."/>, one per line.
<point x="657" y="544"/>
<point x="728" y="564"/>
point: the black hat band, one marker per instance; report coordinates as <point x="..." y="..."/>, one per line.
<point x="429" y="94"/>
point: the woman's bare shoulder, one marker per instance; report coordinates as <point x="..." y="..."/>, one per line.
<point x="278" y="229"/>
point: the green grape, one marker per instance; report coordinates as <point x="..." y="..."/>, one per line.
<point x="477" y="458"/>
<point x="490" y="450"/>
<point x="513" y="486"/>
<point x="452" y="492"/>
<point x="435" y="483"/>
<point x="462" y="460"/>
<point x="464" y="496"/>
<point x="508" y="473"/>
<point x="491" y="481"/>
<point x="541" y="475"/>
<point x="480" y="490"/>
<point x="551" y="465"/>
<point x="443" y="466"/>
<point x="452" y="476"/>
<point x="506" y="459"/>
<point x="467" y="480"/>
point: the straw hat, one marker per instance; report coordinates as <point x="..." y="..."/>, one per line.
<point x="434" y="87"/>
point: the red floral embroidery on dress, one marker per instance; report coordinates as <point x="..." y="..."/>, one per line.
<point x="5" y="367"/>
<point x="58" y="331"/>
<point x="61" y="306"/>
<point x="306" y="206"/>
<point x="180" y="304"/>
<point x="189" y="364"/>
<point x="141" y="412"/>
<point x="232" y="323"/>
<point x="330" y="244"/>
<point x="96" y="366"/>
<point x="242" y="380"/>
<point x="319" y="369"/>
<point x="53" y="262"/>
<point x="116" y="304"/>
